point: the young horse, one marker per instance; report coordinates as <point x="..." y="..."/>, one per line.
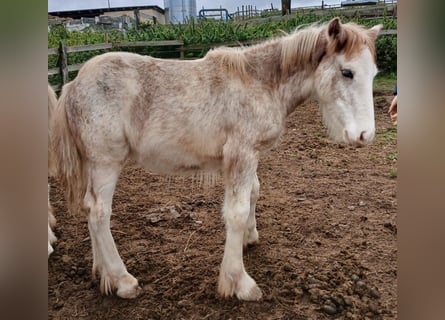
<point x="52" y="102"/>
<point x="217" y="113"/>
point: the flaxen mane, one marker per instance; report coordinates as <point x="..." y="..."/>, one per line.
<point x="301" y="50"/>
<point x="231" y="59"/>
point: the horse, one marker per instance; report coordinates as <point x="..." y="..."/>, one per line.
<point x="52" y="102"/>
<point x="217" y="114"/>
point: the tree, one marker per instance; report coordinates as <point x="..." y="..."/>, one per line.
<point x="285" y="7"/>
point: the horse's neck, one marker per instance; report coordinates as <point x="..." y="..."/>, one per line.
<point x="265" y="65"/>
<point x="296" y="91"/>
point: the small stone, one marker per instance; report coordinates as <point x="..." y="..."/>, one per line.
<point x="351" y="208"/>
<point x="338" y="300"/>
<point x="66" y="258"/>
<point x="325" y="297"/>
<point x="329" y="302"/>
<point x="329" y="309"/>
<point x="355" y="277"/>
<point x="348" y="301"/>
<point x="361" y="203"/>
<point x="374" y="293"/>
<point x="373" y="307"/>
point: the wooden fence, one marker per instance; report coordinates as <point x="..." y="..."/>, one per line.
<point x="64" y="67"/>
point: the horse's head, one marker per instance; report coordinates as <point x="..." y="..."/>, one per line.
<point x="343" y="81"/>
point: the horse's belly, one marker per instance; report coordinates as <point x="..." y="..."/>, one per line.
<point x="177" y="161"/>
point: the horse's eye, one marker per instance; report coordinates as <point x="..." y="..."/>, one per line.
<point x="347" y="73"/>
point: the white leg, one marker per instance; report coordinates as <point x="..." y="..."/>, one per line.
<point x="106" y="259"/>
<point x="51" y="224"/>
<point x="251" y="234"/>
<point x="51" y="239"/>
<point x="233" y="278"/>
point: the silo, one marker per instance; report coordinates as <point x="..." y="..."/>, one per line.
<point x="178" y="11"/>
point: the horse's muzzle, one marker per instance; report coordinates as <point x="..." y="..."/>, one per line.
<point x="359" y="140"/>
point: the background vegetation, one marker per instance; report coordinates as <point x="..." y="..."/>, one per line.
<point x="211" y="32"/>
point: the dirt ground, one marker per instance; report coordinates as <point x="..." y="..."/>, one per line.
<point x="327" y="223"/>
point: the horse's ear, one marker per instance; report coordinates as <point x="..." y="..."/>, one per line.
<point x="336" y="33"/>
<point x="334" y="27"/>
<point x="374" y="31"/>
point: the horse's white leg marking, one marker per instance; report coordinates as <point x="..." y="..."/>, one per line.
<point x="233" y="278"/>
<point x="51" y="223"/>
<point x="106" y="259"/>
<point x="51" y="239"/>
<point x="251" y="233"/>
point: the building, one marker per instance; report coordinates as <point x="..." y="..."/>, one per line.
<point x="347" y="3"/>
<point x="153" y="14"/>
<point x="179" y="11"/>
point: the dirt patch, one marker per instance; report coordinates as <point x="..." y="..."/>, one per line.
<point x="327" y="223"/>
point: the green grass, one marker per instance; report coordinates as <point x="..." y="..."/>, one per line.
<point x="385" y="82"/>
<point x="393" y="173"/>
<point x="392" y="156"/>
<point x="387" y="135"/>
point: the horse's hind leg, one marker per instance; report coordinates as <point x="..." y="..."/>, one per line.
<point x="51" y="224"/>
<point x="239" y="174"/>
<point x="106" y="259"/>
<point x="251" y="233"/>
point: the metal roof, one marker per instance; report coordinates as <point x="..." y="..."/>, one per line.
<point x="99" y="11"/>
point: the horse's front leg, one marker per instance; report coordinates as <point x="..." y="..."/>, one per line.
<point x="239" y="175"/>
<point x="106" y="259"/>
<point x="251" y="233"/>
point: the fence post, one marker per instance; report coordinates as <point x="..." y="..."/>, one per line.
<point x="63" y="62"/>
<point x="181" y="53"/>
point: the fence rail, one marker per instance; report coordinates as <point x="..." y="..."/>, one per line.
<point x="64" y="68"/>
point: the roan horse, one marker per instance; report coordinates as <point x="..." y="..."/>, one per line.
<point x="215" y="114"/>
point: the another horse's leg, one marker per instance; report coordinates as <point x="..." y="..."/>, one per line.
<point x="51" y="224"/>
<point x="251" y="233"/>
<point x="239" y="174"/>
<point x="106" y="259"/>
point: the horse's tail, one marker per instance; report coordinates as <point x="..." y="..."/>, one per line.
<point x="68" y="150"/>
<point x="52" y="103"/>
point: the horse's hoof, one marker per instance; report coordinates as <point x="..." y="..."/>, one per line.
<point x="248" y="290"/>
<point x="254" y="294"/>
<point x="250" y="238"/>
<point x="128" y="287"/>
<point x="129" y="293"/>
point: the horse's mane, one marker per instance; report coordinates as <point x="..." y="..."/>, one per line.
<point x="233" y="60"/>
<point x="299" y="50"/>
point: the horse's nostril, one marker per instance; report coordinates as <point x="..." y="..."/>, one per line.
<point x="362" y="136"/>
